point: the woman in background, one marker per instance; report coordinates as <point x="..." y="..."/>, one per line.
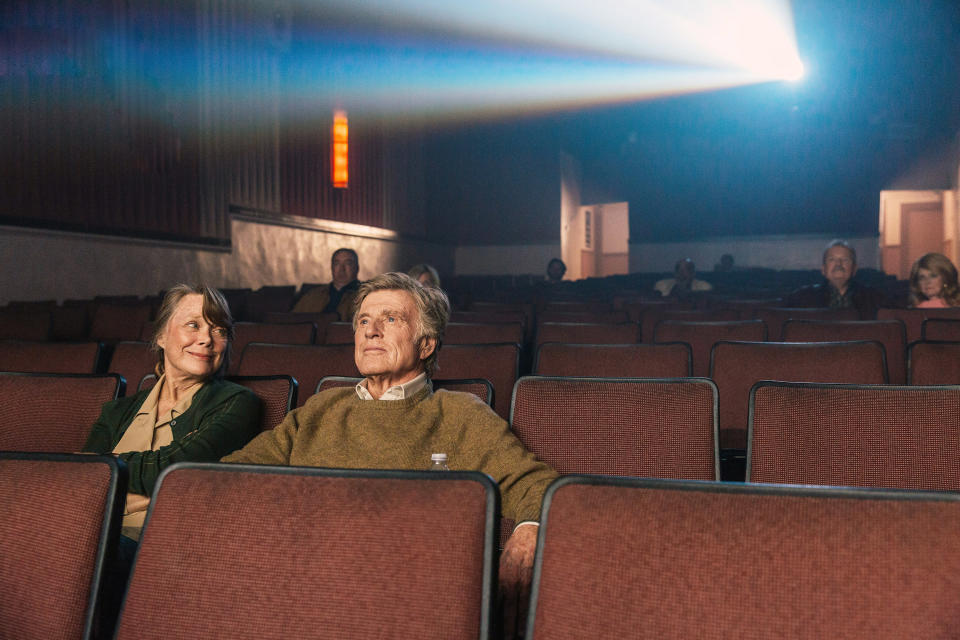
<point x="933" y="283"/>
<point x="425" y="275"/>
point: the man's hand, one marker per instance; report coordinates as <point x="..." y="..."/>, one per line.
<point x="516" y="574"/>
<point x="136" y="502"/>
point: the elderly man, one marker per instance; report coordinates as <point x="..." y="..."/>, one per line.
<point x="683" y="282"/>
<point x="393" y="419"/>
<point x="838" y="290"/>
<point x="338" y="295"/>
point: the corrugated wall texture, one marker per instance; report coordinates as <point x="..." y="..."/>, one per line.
<point x="149" y="118"/>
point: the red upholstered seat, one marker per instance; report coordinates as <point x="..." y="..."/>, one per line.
<point x="736" y="366"/>
<point x="295" y="552"/>
<point x="913" y="318"/>
<point x="51" y="412"/>
<point x="942" y="329"/>
<point x="49" y="357"/>
<point x="627" y="558"/>
<point x="133" y="361"/>
<point x="934" y="363"/>
<point x="775" y="317"/>
<point x="498" y="363"/>
<point x="890" y="333"/>
<point x="276" y="333"/>
<point x="483" y="333"/>
<point x="308" y="364"/>
<point x="619" y="426"/>
<point x="60" y="518"/>
<point x="114" y="321"/>
<point x="278" y="393"/>
<point x="588" y="333"/>
<point x="701" y="336"/>
<point x="16" y="324"/>
<point x="855" y="435"/>
<point x="613" y="360"/>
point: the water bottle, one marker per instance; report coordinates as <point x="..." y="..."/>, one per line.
<point x="438" y="462"/>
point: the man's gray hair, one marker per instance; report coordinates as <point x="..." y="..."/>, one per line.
<point x="837" y="242"/>
<point x="433" y="308"/>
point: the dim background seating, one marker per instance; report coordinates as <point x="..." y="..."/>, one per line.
<point x="60" y="523"/>
<point x="655" y="315"/>
<point x="276" y="333"/>
<point x="133" y="361"/>
<point x="619" y="426"/>
<point x="913" y="318"/>
<point x="934" y="363"/>
<point x="941" y="329"/>
<point x="668" y="360"/>
<point x="902" y="437"/>
<point x="498" y="363"/>
<point x="701" y="336"/>
<point x="356" y="554"/>
<point x="52" y="412"/>
<point x="682" y="560"/>
<point x="49" y="357"/>
<point x="306" y="363"/>
<point x="588" y="333"/>
<point x="776" y="317"/>
<point x="890" y="333"/>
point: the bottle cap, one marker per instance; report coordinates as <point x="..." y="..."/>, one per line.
<point x="438" y="457"/>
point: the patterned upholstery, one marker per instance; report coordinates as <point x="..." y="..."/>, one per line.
<point x="279" y="395"/>
<point x="736" y="366"/>
<point x="631" y="427"/>
<point x="890" y="333"/>
<point x="51" y="412"/>
<point x="133" y="361"/>
<point x="855" y="435"/>
<point x="934" y="363"/>
<point x="613" y="360"/>
<point x="498" y="363"/>
<point x="701" y="336"/>
<point x="588" y="333"/>
<point x="306" y="363"/>
<point x="655" y="315"/>
<point x="943" y="329"/>
<point x="49" y="357"/>
<point x="60" y="518"/>
<point x="483" y="389"/>
<point x="279" y="552"/>
<point x="775" y="317"/>
<point x="627" y="558"/>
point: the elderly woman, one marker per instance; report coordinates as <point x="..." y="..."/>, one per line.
<point x="191" y="414"/>
<point x="933" y="282"/>
<point x="425" y="275"/>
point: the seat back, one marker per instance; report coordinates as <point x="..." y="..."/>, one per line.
<point x="942" y="329"/>
<point x="913" y="318"/>
<point x="267" y="299"/>
<point x="483" y="333"/>
<point x="306" y="363"/>
<point x="775" y="317"/>
<point x="619" y="426"/>
<point x="669" y="360"/>
<point x="61" y="520"/>
<point x="483" y="389"/>
<point x="699" y="560"/>
<point x="594" y="316"/>
<point x="890" y="333"/>
<point x="588" y="333"/>
<point x="736" y="366"/>
<point x="133" y="361"/>
<point x="701" y="336"/>
<point x="323" y="553"/>
<point x="933" y="363"/>
<point x="278" y="393"/>
<point x="52" y="412"/>
<point x="855" y="435"/>
<point x="115" y="322"/>
<point x="498" y="363"/>
<point x="275" y="333"/>
<point x="339" y="333"/>
<point x="322" y="320"/>
<point x="653" y="316"/>
<point x="33" y="326"/>
<point x="49" y="357"/>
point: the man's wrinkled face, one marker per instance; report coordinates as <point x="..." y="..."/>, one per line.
<point x="386" y="340"/>
<point x="344" y="267"/>
<point x="839" y="267"/>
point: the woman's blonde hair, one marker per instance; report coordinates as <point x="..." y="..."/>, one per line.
<point x="940" y="265"/>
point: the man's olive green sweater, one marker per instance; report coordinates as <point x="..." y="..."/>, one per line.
<point x="336" y="428"/>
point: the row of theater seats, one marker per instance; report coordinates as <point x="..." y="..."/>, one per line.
<point x="256" y="552"/>
<point x="669" y="428"/>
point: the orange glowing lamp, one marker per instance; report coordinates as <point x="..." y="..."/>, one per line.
<point x="340" y="164"/>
